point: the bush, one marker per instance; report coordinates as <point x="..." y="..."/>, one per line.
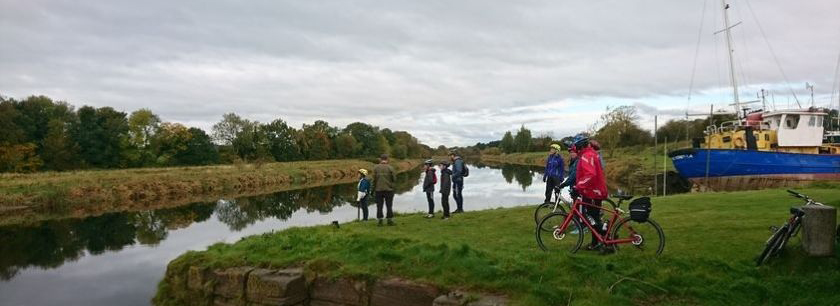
<point x="491" y="151"/>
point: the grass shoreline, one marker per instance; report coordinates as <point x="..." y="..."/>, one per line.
<point x="712" y="239"/>
<point x="39" y="196"/>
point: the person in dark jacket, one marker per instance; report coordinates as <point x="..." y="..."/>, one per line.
<point x="429" y="182"/>
<point x="384" y="178"/>
<point x="553" y="171"/>
<point x="457" y="181"/>
<point x="445" y="187"/>
<point x="363" y="192"/>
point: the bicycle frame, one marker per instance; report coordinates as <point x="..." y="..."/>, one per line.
<point x="575" y="212"/>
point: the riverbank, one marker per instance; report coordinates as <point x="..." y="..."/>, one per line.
<point x="32" y="197"/>
<point x="630" y="167"/>
<point x="712" y="239"/>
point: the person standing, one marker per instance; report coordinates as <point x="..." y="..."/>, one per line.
<point x="445" y="188"/>
<point x="384" y="178"/>
<point x="458" y="174"/>
<point x="591" y="184"/>
<point x="429" y="182"/>
<point x="363" y="192"/>
<point x="553" y="176"/>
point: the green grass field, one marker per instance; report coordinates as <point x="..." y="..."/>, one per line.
<point x="712" y="240"/>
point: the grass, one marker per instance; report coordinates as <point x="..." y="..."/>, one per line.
<point x="712" y="240"/>
<point x="81" y="193"/>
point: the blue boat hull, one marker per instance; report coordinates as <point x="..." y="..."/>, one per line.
<point x="749" y="169"/>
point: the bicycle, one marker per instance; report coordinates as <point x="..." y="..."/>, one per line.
<point x="558" y="206"/>
<point x="776" y="243"/>
<point x="566" y="231"/>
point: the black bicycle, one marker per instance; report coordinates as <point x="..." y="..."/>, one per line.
<point x="781" y="235"/>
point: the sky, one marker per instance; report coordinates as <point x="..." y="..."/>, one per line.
<point x="449" y="72"/>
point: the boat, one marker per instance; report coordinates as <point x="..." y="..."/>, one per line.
<point x="762" y="148"/>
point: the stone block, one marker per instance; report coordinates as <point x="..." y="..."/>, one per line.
<point x="197" y="277"/>
<point x="458" y="298"/>
<point x="230" y="282"/>
<point x="276" y="287"/>
<point x="819" y="230"/>
<point x="338" y="292"/>
<point x="402" y="292"/>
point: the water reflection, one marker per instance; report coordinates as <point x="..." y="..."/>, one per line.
<point x="522" y="174"/>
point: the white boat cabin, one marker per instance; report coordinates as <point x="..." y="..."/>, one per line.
<point x="796" y="128"/>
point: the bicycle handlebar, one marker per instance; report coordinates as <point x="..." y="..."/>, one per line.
<point x="796" y="194"/>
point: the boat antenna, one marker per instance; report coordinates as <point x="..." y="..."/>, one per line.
<point x="732" y="81"/>
<point x="810" y="87"/>
<point x="834" y="85"/>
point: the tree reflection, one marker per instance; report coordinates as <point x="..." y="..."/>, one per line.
<point x="51" y="243"/>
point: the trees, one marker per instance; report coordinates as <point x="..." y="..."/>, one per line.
<point x="142" y="125"/>
<point x="346" y="146"/>
<point x="522" y="141"/>
<point x="102" y="135"/>
<point x="507" y="145"/>
<point x="282" y="144"/>
<point x="619" y="129"/>
<point x="58" y="150"/>
<point x="199" y="150"/>
<point x="38" y="133"/>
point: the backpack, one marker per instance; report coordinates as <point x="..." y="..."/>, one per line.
<point x="466" y="170"/>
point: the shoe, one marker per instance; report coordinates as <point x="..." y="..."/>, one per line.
<point x="458" y="211"/>
<point x="391" y="222"/>
<point x="444" y="218"/>
<point x="429" y="216"/>
<point x="379" y="223"/>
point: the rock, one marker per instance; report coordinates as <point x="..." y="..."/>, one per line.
<point x="230" y="282"/>
<point x="197" y="277"/>
<point x="338" y="292"/>
<point x="402" y="292"/>
<point x="273" y="287"/>
<point x="461" y="298"/>
<point x="490" y="300"/>
<point x="818" y="230"/>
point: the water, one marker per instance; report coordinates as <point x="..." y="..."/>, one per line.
<point x="119" y="258"/>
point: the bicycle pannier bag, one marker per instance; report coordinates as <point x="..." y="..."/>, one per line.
<point x="640" y="209"/>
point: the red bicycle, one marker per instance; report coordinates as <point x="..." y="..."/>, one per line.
<point x="561" y="231"/>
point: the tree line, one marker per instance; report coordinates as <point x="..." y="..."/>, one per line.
<point x="42" y="134"/>
<point x="617" y="127"/>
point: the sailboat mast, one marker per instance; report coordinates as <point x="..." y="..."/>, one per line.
<point x="730" y="52"/>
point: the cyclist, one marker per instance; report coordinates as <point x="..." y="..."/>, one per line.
<point x="590" y="183"/>
<point x="553" y="171"/>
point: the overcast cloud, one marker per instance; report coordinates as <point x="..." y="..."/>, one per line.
<point x="450" y="72"/>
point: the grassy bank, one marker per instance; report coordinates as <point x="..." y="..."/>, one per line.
<point x="630" y="167"/>
<point x="82" y="193"/>
<point x="712" y="239"/>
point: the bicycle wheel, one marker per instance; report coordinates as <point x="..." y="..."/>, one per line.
<point x="559" y="241"/>
<point x="545" y="209"/>
<point x="771" y="245"/>
<point x="786" y="237"/>
<point x="648" y="237"/>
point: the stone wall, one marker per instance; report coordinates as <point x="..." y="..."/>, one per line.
<point x="292" y="287"/>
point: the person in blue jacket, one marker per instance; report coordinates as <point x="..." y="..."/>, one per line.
<point x="553" y="171"/>
<point x="363" y="193"/>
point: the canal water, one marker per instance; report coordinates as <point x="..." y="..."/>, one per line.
<point x="119" y="258"/>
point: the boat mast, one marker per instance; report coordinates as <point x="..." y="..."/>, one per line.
<point x="731" y="58"/>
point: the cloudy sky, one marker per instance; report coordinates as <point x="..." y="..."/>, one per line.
<point x="450" y="72"/>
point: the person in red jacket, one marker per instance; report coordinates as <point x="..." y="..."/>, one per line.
<point x="590" y="183"/>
